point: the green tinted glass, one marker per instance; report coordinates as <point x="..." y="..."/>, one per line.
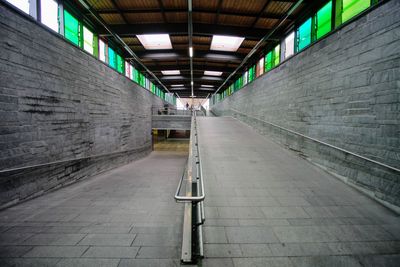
<point x="135" y="76"/>
<point x="350" y="8"/>
<point x="71" y="28"/>
<point x="268" y="61"/>
<point x="324" y="20"/>
<point x="112" y="60"/>
<point x="277" y="55"/>
<point x="304" y="35"/>
<point x="120" y="64"/>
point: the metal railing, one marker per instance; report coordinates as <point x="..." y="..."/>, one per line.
<point x="194" y="215"/>
<point x="161" y="110"/>
<point x="320" y="142"/>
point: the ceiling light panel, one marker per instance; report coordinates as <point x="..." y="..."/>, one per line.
<point x="155" y="41"/>
<point x="207" y="85"/>
<point x="226" y="43"/>
<point x="170" y="72"/>
<point x="212" y="73"/>
<point x="177" y="85"/>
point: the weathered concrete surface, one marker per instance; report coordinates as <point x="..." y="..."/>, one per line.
<point x="171" y="122"/>
<point x="59" y="103"/>
<point x="343" y="90"/>
<point x="125" y="217"/>
<point x="265" y="206"/>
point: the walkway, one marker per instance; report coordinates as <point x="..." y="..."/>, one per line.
<point x="125" y="217"/>
<point x="265" y="206"/>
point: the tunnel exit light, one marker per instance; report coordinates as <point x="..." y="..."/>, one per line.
<point x="226" y="43"/>
<point x="155" y="41"/>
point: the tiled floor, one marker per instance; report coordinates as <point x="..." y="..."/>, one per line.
<point x="265" y="206"/>
<point x="125" y="217"/>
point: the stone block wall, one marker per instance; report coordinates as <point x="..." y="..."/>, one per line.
<point x="59" y="103"/>
<point x="343" y="90"/>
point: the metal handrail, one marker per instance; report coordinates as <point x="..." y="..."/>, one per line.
<point x="193" y="199"/>
<point x="321" y="142"/>
<point x="194" y="215"/>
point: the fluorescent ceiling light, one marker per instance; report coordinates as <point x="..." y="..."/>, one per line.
<point x="207" y="85"/>
<point x="191" y="51"/>
<point x="170" y="72"/>
<point x="191" y="83"/>
<point x="212" y="73"/>
<point x="155" y="41"/>
<point x="226" y="43"/>
<point x="176" y="85"/>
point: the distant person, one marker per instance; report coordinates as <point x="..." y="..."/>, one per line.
<point x="187" y="106"/>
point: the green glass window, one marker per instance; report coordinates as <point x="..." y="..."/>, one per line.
<point x="88" y="40"/>
<point x="112" y="58"/>
<point x="120" y="64"/>
<point x="252" y="75"/>
<point x="268" y="61"/>
<point x="142" y="80"/>
<point x="350" y="8"/>
<point x="135" y="75"/>
<point x="304" y="35"/>
<point x="71" y="28"/>
<point x="277" y="55"/>
<point x="237" y="85"/>
<point x="324" y="20"/>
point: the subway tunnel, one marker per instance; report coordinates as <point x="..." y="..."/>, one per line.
<point x="200" y="133"/>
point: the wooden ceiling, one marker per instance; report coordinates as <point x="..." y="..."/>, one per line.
<point x="251" y="19"/>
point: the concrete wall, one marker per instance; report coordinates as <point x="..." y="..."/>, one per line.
<point x="171" y="122"/>
<point x="59" y="103"/>
<point x="343" y="90"/>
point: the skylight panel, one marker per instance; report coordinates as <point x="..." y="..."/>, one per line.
<point x="213" y="73"/>
<point x="170" y="72"/>
<point x="226" y="43"/>
<point x="155" y="41"/>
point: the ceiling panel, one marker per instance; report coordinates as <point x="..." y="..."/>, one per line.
<point x="245" y="7"/>
<point x="142" y="18"/>
<point x="235" y="20"/>
<point x="112" y="19"/>
<point x="137" y="4"/>
<point x="205" y="4"/>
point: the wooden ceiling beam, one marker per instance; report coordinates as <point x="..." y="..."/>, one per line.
<point x="119" y="11"/>
<point x="207" y="11"/>
<point x="199" y="29"/>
